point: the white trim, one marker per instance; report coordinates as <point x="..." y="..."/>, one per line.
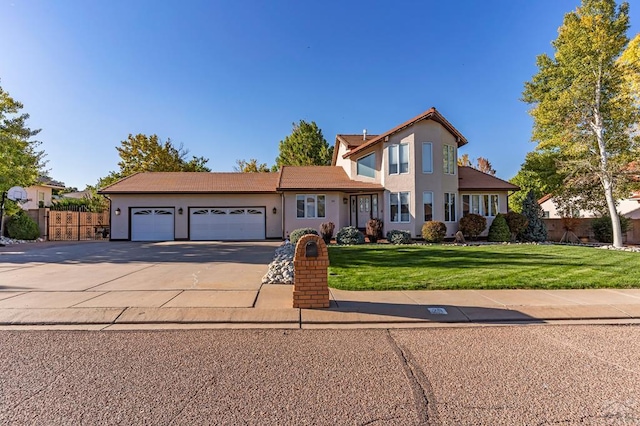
<point x="430" y="157"/>
<point x="372" y="168"/>
<point x="399" y="205"/>
<point x="455" y="207"/>
<point x="315" y="204"/>
<point x="423" y="204"/>
<point x="396" y="147"/>
<point x="445" y="158"/>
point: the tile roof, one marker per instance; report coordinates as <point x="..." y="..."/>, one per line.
<point x="194" y="182"/>
<point x="353" y="141"/>
<point x="430" y="114"/>
<point x="545" y="198"/>
<point x="321" y="178"/>
<point x="470" y="179"/>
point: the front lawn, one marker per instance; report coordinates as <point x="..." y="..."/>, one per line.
<point x="437" y="267"/>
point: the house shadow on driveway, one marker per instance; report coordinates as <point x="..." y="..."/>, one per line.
<point x="121" y="252"/>
<point x="376" y="312"/>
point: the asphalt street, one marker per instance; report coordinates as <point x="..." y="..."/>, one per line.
<point x="500" y="375"/>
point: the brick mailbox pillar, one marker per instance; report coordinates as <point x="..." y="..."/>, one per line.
<point x="310" y="265"/>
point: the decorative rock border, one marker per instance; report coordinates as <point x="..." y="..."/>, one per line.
<point x="281" y="268"/>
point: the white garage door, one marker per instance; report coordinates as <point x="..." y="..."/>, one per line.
<point x="152" y="224"/>
<point x="221" y="223"/>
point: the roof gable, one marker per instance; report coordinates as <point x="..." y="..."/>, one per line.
<point x="430" y="114"/>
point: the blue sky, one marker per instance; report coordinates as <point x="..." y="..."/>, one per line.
<point x="228" y="78"/>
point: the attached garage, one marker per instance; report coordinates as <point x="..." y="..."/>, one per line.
<point x="152" y="224"/>
<point x="223" y="223"/>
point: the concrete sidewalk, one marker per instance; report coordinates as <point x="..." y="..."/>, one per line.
<point x="272" y="308"/>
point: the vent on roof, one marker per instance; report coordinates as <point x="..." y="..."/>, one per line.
<point x="364" y="135"/>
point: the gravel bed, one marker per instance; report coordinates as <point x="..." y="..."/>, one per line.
<point x="281" y="268"/>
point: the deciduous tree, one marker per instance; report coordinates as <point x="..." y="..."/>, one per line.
<point x="583" y="108"/>
<point x="142" y="153"/>
<point x="20" y="159"/>
<point x="305" y="146"/>
<point x="251" y="166"/>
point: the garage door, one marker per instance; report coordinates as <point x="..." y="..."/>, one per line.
<point x="152" y="224"/>
<point x="221" y="223"/>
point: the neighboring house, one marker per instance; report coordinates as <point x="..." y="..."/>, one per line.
<point x="405" y="177"/>
<point x="629" y="207"/>
<point x="41" y="192"/>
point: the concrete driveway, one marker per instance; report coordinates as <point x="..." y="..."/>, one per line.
<point x="130" y="274"/>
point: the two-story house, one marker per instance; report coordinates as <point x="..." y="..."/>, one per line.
<point x="406" y="176"/>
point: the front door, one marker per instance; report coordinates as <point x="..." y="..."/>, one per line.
<point x="363" y="205"/>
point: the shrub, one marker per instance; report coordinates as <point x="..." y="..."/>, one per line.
<point x="603" y="230"/>
<point x="473" y="225"/>
<point x="516" y="222"/>
<point x="349" y="235"/>
<point x="499" y="230"/>
<point x="296" y="234"/>
<point x="433" y="231"/>
<point x="396" y="236"/>
<point x="326" y="231"/>
<point x="536" y="230"/>
<point x="21" y="227"/>
<point x="374" y="230"/>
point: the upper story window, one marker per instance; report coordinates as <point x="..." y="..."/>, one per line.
<point x="449" y="159"/>
<point x="482" y="204"/>
<point x="427" y="157"/>
<point x="366" y="166"/>
<point x="398" y="159"/>
<point x="310" y="206"/>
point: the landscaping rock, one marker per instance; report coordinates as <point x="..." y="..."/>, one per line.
<point x="281" y="268"/>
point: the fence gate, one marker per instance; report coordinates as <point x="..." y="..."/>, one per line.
<point x="78" y="225"/>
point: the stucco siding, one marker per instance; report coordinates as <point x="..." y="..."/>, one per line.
<point x="32" y="195"/>
<point x="120" y="223"/>
<point x="334" y="212"/>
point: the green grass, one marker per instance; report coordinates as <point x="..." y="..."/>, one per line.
<point x="437" y="267"/>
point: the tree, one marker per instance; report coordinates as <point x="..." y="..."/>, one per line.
<point x="583" y="108"/>
<point x="499" y="230"/>
<point x="463" y="160"/>
<point x="535" y="230"/>
<point x="485" y="166"/>
<point x="305" y="146"/>
<point x="250" y="166"/>
<point x="482" y="164"/>
<point x="538" y="173"/>
<point x="20" y="161"/>
<point x="142" y="153"/>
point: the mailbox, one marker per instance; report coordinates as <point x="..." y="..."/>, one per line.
<point x="311" y="249"/>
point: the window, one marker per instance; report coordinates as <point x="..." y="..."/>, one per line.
<point x="449" y="207"/>
<point x="398" y="159"/>
<point x="427" y="202"/>
<point x="449" y="159"/>
<point x="427" y="157"/>
<point x="366" y="166"/>
<point x="374" y="206"/>
<point x="40" y="196"/>
<point x="399" y="203"/>
<point x="484" y="205"/>
<point x="310" y="206"/>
